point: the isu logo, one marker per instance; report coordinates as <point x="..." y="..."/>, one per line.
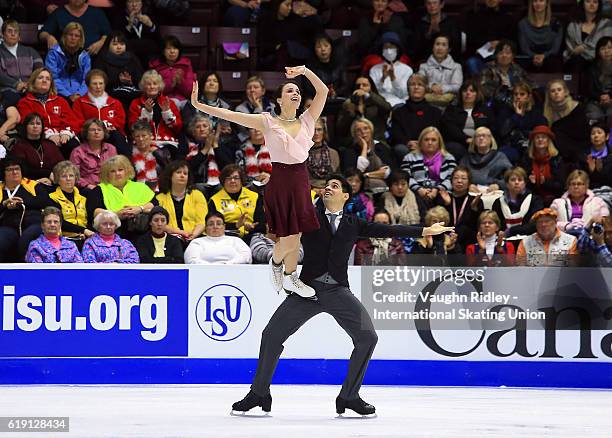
<point x="56" y="109"/>
<point x="111" y="114"/>
<point x="223" y="312"/>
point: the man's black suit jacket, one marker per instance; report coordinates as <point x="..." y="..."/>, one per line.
<point x="327" y="252"/>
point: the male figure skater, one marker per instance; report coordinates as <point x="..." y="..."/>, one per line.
<point x="329" y="278"/>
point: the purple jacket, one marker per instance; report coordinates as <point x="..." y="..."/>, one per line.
<point x="95" y="250"/>
<point x="42" y="251"/>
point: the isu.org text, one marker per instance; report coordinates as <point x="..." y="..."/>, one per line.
<point x="29" y="313"/>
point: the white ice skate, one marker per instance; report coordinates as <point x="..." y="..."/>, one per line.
<point x="276" y="275"/>
<point x="293" y="284"/>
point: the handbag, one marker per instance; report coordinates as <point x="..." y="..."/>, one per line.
<point x="138" y="224"/>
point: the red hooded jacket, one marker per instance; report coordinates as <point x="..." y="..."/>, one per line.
<point x="112" y="112"/>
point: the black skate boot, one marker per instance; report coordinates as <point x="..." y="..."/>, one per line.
<point x="357" y="405"/>
<point x="251" y="401"/>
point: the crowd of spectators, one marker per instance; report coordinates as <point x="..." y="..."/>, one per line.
<point x="431" y="116"/>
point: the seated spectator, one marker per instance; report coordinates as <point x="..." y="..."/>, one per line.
<point x="462" y="207"/>
<point x="487" y="165"/>
<point x="376" y="23"/>
<point x="329" y="64"/>
<point x="122" y="67"/>
<point x="143" y="159"/>
<point x="322" y="159"/>
<point x="159" y="111"/>
<point x="599" y="106"/>
<point x="69" y="63"/>
<point x="391" y="75"/>
<point x="360" y="204"/>
<point x="568" y="121"/>
<point x="61" y="123"/>
<point x="92" y="19"/>
<point x="175" y="70"/>
<point x="105" y="246"/>
<point x="598" y="241"/>
<point x="500" y="75"/>
<point x="435" y="21"/>
<point x="579" y="205"/>
<point x="372" y="157"/>
<point x="459" y="122"/>
<point x="379" y="250"/>
<point x="254" y="158"/>
<point x="71" y="202"/>
<point x="429" y="167"/>
<point x="138" y="25"/>
<point x="210" y="88"/>
<point x="548" y="246"/>
<point x="89" y="155"/>
<point x="443" y="74"/>
<point x="97" y="104"/>
<point x="256" y="100"/>
<point x="38" y="154"/>
<point x="517" y="205"/>
<point x="9" y="118"/>
<point x="490" y="241"/>
<point x="585" y="29"/>
<point x="51" y="246"/>
<point x="409" y="119"/>
<point x="16" y="63"/>
<point x="490" y="24"/>
<point x="540" y="36"/>
<point x="242" y="209"/>
<point x="216" y="247"/>
<point x="241" y="13"/>
<point x="365" y="102"/>
<point x="544" y="166"/>
<point x="599" y="159"/>
<point x="157" y="246"/>
<point x="516" y="122"/>
<point x="399" y="202"/>
<point x="437" y="245"/>
<point x="21" y="201"/>
<point x="118" y="193"/>
<point x="184" y="205"/>
<point x="262" y="246"/>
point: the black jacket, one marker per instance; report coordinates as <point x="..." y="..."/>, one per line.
<point x="327" y="252"/>
<point x="573" y="135"/>
<point x="526" y="227"/>
<point x="408" y="120"/>
<point x="146" y="249"/>
<point x="454" y="117"/>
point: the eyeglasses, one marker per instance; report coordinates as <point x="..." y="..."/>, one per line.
<point x="482" y="135"/>
<point x="233" y="178"/>
<point x="12" y="169"/>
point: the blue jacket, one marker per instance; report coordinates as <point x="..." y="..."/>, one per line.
<point x="68" y="84"/>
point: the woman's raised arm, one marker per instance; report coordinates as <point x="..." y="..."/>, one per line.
<point x="318" y="102"/>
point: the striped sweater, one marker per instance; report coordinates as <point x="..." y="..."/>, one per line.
<point x="419" y="174"/>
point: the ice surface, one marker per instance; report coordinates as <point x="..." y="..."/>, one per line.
<point x="308" y="411"/>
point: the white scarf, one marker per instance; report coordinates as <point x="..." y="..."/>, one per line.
<point x="513" y="219"/>
<point x="99" y="102"/>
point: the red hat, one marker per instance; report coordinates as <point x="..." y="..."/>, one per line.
<point x="541" y="129"/>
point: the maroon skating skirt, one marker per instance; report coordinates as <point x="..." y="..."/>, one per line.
<point x="287" y="200"/>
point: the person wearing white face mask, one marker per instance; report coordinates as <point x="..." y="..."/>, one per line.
<point x="391" y="76"/>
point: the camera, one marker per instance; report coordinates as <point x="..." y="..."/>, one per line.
<point x="598" y="228"/>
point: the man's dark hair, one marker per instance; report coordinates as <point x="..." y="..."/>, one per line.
<point x="346" y="187"/>
<point x="214" y="214"/>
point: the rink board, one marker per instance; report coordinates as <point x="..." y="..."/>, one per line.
<point x="202" y="324"/>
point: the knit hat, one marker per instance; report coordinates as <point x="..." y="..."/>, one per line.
<point x="544" y="212"/>
<point x="541" y="129"/>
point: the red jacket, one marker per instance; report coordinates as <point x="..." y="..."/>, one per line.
<point x="112" y="112"/>
<point x="162" y="132"/>
<point x="56" y="113"/>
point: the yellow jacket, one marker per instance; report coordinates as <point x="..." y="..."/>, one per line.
<point x="28" y="184"/>
<point x="195" y="209"/>
<point x="232" y="210"/>
<point x="75" y="213"/>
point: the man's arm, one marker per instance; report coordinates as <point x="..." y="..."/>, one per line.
<point x="373" y="229"/>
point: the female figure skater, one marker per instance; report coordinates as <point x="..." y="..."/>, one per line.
<point x="289" y="209"/>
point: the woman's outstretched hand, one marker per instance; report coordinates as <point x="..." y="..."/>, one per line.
<point x="194" y="94"/>
<point x="437" y="228"/>
<point x="292" y="72"/>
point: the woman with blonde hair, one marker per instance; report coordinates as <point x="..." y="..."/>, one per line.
<point x="540" y="36"/>
<point x="543" y="164"/>
<point x="568" y="121"/>
<point x="578" y="206"/>
<point x="430" y="166"/>
<point x="442" y="245"/>
<point x="487" y="165"/>
<point x="119" y="194"/>
<point x="69" y="63"/>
